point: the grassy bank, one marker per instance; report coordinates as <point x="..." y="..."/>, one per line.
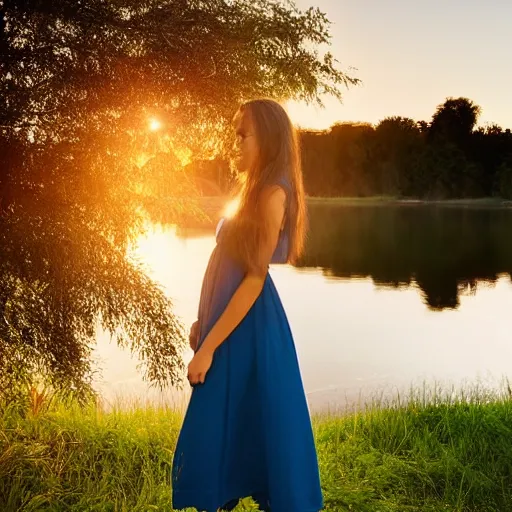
<point x="431" y="452"/>
<point x="485" y="202"/>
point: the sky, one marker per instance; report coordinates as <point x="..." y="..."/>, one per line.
<point x="413" y="54"/>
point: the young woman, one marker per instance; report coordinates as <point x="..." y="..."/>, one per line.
<point x="247" y="430"/>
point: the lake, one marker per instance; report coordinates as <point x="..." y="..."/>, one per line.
<point x="384" y="298"/>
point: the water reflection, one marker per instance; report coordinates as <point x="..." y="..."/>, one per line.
<point x="355" y="334"/>
<point x="446" y="251"/>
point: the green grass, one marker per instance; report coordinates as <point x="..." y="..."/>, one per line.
<point x="430" y="452"/>
<point x="434" y="451"/>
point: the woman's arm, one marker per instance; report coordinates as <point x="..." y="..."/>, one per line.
<point x="273" y="209"/>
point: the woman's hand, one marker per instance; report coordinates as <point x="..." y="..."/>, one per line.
<point x="199" y="366"/>
<point x="193" y="337"/>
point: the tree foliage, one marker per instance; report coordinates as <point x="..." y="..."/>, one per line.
<point x="78" y="82"/>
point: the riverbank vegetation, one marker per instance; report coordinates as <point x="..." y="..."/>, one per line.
<point x="432" y="450"/>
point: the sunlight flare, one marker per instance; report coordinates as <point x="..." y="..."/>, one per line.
<point x="231" y="208"/>
<point x="154" y="124"/>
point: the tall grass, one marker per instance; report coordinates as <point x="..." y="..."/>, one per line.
<point x="73" y="459"/>
<point x="434" y="450"/>
<point x="431" y="451"/>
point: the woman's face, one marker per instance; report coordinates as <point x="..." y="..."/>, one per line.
<point x="246" y="145"/>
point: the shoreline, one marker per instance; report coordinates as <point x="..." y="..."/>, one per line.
<point x="484" y="202"/>
<point x="217" y="202"/>
<point x="207" y="210"/>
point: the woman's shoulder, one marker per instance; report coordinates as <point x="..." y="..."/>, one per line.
<point x="273" y="193"/>
<point x="281" y="183"/>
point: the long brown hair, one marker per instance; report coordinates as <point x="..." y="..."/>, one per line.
<point x="279" y="157"/>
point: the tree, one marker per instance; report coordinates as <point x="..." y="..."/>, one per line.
<point x="453" y="171"/>
<point x="78" y="81"/>
<point x="454" y="121"/>
<point x="491" y="148"/>
<point x="503" y="185"/>
<point x="332" y="160"/>
<point x="395" y="147"/>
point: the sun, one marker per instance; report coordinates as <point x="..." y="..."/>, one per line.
<point x="154" y="124"/>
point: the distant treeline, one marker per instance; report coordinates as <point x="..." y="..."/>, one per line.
<point x="445" y="158"/>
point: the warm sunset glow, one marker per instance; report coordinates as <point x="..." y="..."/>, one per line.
<point x="142" y="159"/>
<point x="231" y="208"/>
<point x="311" y="117"/>
<point x="173" y="262"/>
<point x="184" y="155"/>
<point x="154" y="124"/>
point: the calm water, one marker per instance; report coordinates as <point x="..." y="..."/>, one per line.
<point x="384" y="298"/>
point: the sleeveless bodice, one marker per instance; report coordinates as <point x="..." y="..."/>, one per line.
<point x="224" y="275"/>
<point x="280" y="254"/>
